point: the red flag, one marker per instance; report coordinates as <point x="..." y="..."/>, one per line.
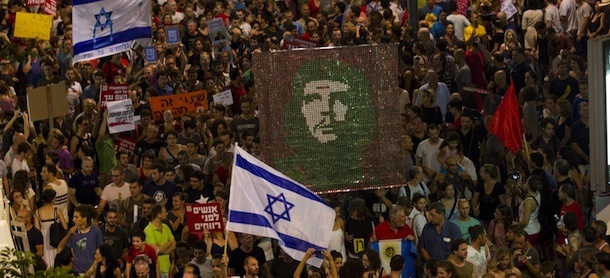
<point x="506" y="122"/>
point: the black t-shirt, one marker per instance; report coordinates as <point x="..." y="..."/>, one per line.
<point x="281" y="269"/>
<point x="117" y="240"/>
<point x="206" y="192"/>
<point x="161" y="193"/>
<point x="567" y="88"/>
<point x="34" y="238"/>
<point x="237" y="257"/>
<point x="580" y="136"/>
<point x="85" y="188"/>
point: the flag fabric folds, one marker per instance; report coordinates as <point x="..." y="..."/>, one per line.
<point x="265" y="202"/>
<point x="107" y="27"/>
<point x="388" y="248"/>
<point x="506" y="122"/>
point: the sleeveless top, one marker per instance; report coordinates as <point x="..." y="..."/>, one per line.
<point x="533" y="226"/>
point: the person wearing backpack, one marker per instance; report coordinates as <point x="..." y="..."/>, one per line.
<point x="415" y="184"/>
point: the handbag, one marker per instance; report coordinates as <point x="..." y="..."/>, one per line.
<point x="56" y="231"/>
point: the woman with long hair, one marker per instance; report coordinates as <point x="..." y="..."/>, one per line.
<point x="498" y="227"/>
<point x="170" y="152"/>
<point x="105" y="265"/>
<point x="21" y="183"/>
<point x="372" y="264"/>
<point x="502" y="264"/>
<point x="358" y="227"/>
<point x="431" y="113"/>
<point x="144" y="170"/>
<point x="46" y="215"/>
<point x="488" y="194"/>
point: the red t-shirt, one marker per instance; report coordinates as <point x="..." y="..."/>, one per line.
<point x="148" y="251"/>
<point x="573" y="208"/>
<point x="384" y="231"/>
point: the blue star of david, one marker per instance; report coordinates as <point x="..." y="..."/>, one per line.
<point x="108" y="22"/>
<point x="287" y="207"/>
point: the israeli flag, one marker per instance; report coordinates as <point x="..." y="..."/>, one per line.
<point x="106" y="27"/>
<point x="265" y="202"/>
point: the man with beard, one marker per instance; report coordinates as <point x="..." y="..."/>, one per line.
<point x="113" y="235"/>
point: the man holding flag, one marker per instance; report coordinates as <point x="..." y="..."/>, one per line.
<point x="265" y="202"/>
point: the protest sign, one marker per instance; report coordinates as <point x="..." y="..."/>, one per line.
<point x="172" y="35"/>
<point x="112" y="92"/>
<point x="201" y="217"/>
<point x="150" y="54"/>
<point x="219" y="35"/>
<point x="120" y="116"/>
<point x="33" y="26"/>
<point x="224" y="97"/>
<point x="50" y="7"/>
<point x="509" y="8"/>
<point x="47" y="102"/>
<point x="125" y="143"/>
<point x="178" y="104"/>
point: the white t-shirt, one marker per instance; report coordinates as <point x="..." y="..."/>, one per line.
<point x="111" y="194"/>
<point x="412" y="190"/>
<point x="19" y="165"/>
<point x="478" y="259"/>
<point x="428" y="153"/>
<point x="568" y="9"/>
<point x="460" y="23"/>
<point x="551" y="13"/>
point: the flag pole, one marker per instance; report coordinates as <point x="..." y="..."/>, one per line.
<point x="226" y="240"/>
<point x="527" y="149"/>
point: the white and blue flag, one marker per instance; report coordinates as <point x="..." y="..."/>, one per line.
<point x="265" y="202"/>
<point x="106" y="27"/>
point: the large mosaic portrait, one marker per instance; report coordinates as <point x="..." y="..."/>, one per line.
<point x="330" y="117"/>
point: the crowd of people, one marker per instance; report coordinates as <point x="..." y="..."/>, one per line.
<point x="472" y="207"/>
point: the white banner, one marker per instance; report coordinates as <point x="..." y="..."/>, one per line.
<point x="120" y="116"/>
<point x="224" y="97"/>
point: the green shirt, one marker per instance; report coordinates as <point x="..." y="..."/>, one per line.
<point x="464" y="225"/>
<point x="157" y="238"/>
<point x="106" y="155"/>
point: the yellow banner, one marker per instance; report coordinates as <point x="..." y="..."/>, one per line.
<point x="33" y="26"/>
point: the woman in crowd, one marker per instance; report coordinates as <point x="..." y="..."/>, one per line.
<point x="170" y="152"/>
<point x="431" y="113"/>
<point x="46" y="215"/>
<point x="105" y="265"/>
<point x="498" y="227"/>
<point x="488" y="194"/>
<point x="564" y="122"/>
<point x="372" y="264"/>
<point x="501" y="264"/>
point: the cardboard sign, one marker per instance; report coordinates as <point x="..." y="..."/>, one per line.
<point x="125" y="143"/>
<point x="178" y="104"/>
<point x="50" y="7"/>
<point x="202" y="217"/>
<point x="150" y="54"/>
<point x="224" y="97"/>
<point x="172" y="35"/>
<point x="298" y="43"/>
<point x="33" y="26"/>
<point x="112" y="92"/>
<point x="219" y="35"/>
<point x="120" y="116"/>
<point x="47" y="102"/>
